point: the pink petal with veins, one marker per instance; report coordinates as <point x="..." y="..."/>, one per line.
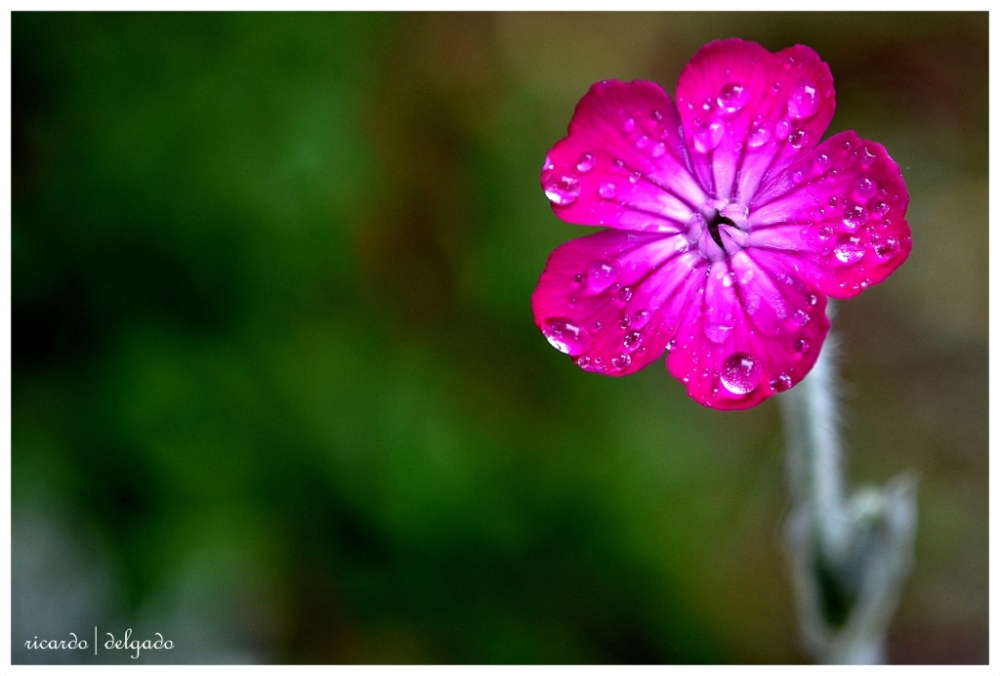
<point x="746" y="110"/>
<point x="613" y="299"/>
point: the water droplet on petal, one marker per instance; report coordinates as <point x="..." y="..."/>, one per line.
<point x="885" y="247"/>
<point x="855" y="216"/>
<point x="629" y="125"/>
<point x="717" y="333"/>
<point x="657" y="115"/>
<point x="566" y="336"/>
<point x="740" y="373"/>
<point x="812" y="299"/>
<point x="642" y="142"/>
<point x="801" y="345"/>
<point x="822" y="161"/>
<point x="867" y="157"/>
<point x="624" y="321"/>
<point x="583" y="362"/>
<point x="781" y="383"/>
<point x="797" y="177"/>
<point x="733" y="97"/>
<point x="849" y="251"/>
<point x="562" y="190"/>
<point x="632" y="340"/>
<point x="634" y="178"/>
<point x="625" y="294"/>
<point x="600" y="275"/>
<point x="781" y="129"/>
<point x="759" y="137"/>
<point x="865" y="188"/>
<point x="607" y="191"/>
<point x="708" y="138"/>
<point x="804" y="101"/>
<point x="658" y="150"/>
<point x="801" y="317"/>
<point x="881" y="209"/>
<point x="797" y="138"/>
<point x="621" y="362"/>
<point x="585" y="163"/>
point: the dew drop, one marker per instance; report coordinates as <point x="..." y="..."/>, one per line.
<point x="717" y="333"/>
<point x="600" y="275"/>
<point x="804" y="101"/>
<point x="801" y="317"/>
<point x="885" y="247"/>
<point x="634" y="178"/>
<point x="759" y="137"/>
<point x="671" y="345"/>
<point x="881" y="209"/>
<point x="849" y="251"/>
<point x="812" y="299"/>
<point x="776" y="87"/>
<point x="642" y="142"/>
<point x="622" y="361"/>
<point x="733" y="97"/>
<point x="658" y="150"/>
<point x="740" y="373"/>
<point x="632" y="340"/>
<point x="657" y="115"/>
<point x="597" y="326"/>
<point x="797" y="138"/>
<point x="563" y="191"/>
<point x="624" y="321"/>
<point x="867" y="157"/>
<point x="625" y="294"/>
<point x="797" y="177"/>
<point x="607" y="191"/>
<point x="801" y="345"/>
<point x="855" y="216"/>
<point x="781" y="383"/>
<point x="629" y="125"/>
<point x="865" y="188"/>
<point x="583" y="362"/>
<point x="566" y="336"/>
<point x="781" y="129"/>
<point x="585" y="164"/>
<point x="822" y="161"/>
<point x="708" y="138"/>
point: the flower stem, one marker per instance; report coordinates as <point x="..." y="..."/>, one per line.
<point x="849" y="558"/>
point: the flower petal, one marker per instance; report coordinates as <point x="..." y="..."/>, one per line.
<point x="613" y="299"/>
<point x="839" y="213"/>
<point x="754" y="331"/>
<point x="746" y="111"/>
<point x="623" y="164"/>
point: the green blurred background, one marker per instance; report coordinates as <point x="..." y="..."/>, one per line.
<point x="278" y="393"/>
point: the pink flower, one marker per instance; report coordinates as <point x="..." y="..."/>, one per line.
<point x="729" y="224"/>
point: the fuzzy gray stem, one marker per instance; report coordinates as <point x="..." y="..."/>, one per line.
<point x="849" y="557"/>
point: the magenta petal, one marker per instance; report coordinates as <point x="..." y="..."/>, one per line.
<point x="623" y="163"/>
<point x="746" y="110"/>
<point x="613" y="299"/>
<point x="754" y="332"/>
<point x="839" y="213"/>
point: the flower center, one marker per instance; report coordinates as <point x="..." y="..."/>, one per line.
<point x="720" y="229"/>
<point x="713" y="228"/>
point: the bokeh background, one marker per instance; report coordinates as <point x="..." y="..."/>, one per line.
<point x="278" y="395"/>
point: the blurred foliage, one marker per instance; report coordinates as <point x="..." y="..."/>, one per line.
<point x="277" y="391"/>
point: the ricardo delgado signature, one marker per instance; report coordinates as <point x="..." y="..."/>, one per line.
<point x="126" y="642"/>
